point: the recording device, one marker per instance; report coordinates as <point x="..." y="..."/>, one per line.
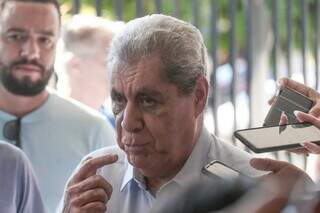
<point x="281" y="137"/>
<point x="287" y="101"/>
<point x="212" y="192"/>
<point x="221" y="170"/>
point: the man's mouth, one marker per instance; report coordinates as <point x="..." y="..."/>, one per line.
<point x="28" y="68"/>
<point x="136" y="149"/>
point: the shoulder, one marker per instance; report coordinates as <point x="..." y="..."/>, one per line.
<point x="73" y="107"/>
<point x="10" y="153"/>
<point x="220" y="147"/>
<point x="232" y="156"/>
<point x="13" y="159"/>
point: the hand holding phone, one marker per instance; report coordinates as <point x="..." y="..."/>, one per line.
<point x="287" y="101"/>
<point x="303" y="89"/>
<point x="281" y="137"/>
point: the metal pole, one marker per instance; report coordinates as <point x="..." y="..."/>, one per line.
<point x="76" y="6"/>
<point x="249" y="55"/>
<point x="304" y="38"/>
<point x="275" y="21"/>
<point x="139" y="8"/>
<point x="213" y="77"/>
<point x="98" y="4"/>
<point x="158" y="4"/>
<point x="195" y="11"/>
<point x="232" y="61"/>
<point x="289" y="35"/>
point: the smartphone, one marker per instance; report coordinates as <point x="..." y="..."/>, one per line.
<point x="221" y="170"/>
<point x="281" y="137"/>
<point x="287" y="101"/>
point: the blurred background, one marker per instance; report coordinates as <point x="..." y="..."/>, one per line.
<point x="251" y="43"/>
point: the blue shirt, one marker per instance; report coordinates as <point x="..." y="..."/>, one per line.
<point x="107" y="113"/>
<point x="55" y="137"/>
<point x="130" y="194"/>
<point x="19" y="192"/>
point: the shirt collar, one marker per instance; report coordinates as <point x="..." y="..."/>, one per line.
<point x="133" y="174"/>
<point x="37" y="114"/>
<point x="128" y="176"/>
<point x="190" y="171"/>
<point x="199" y="157"/>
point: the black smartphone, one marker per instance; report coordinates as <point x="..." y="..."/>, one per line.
<point x="287" y="101"/>
<point x="220" y="170"/>
<point x="280" y="137"/>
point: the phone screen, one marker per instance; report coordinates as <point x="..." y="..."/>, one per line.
<point x="221" y="170"/>
<point x="275" y="136"/>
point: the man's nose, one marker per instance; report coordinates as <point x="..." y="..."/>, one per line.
<point x="132" y="119"/>
<point x="31" y="50"/>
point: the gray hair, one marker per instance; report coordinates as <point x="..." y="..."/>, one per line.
<point x="179" y="43"/>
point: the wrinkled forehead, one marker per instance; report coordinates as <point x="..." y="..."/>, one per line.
<point x="146" y="74"/>
<point x="146" y="67"/>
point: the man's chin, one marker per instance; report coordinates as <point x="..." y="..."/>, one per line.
<point x="26" y="85"/>
<point x="138" y="161"/>
<point x="25" y="89"/>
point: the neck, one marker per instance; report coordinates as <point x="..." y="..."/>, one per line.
<point x="154" y="184"/>
<point x="20" y="105"/>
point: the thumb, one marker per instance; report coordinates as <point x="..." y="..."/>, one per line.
<point x="266" y="164"/>
<point x="304" y="117"/>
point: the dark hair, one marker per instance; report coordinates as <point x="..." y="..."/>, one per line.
<point x="54" y="2"/>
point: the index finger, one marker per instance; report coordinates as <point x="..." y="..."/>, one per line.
<point x="266" y="164"/>
<point x="91" y="166"/>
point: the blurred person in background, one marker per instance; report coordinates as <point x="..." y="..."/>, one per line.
<point x="54" y="132"/>
<point x="19" y="189"/>
<point x="82" y="64"/>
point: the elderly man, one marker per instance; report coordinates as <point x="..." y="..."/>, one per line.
<point x="159" y="90"/>
<point x="55" y="133"/>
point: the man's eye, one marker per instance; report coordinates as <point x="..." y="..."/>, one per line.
<point x="46" y="41"/>
<point x="118" y="104"/>
<point x="148" y="102"/>
<point x="16" y="37"/>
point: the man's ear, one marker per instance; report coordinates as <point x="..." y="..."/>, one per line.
<point x="201" y="94"/>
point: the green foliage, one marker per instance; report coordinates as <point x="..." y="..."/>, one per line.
<point x="184" y="10"/>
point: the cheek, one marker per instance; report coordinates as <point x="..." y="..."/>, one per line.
<point x="9" y="54"/>
<point x="48" y="57"/>
<point x="118" y="130"/>
<point x="175" y="127"/>
<point x="163" y="130"/>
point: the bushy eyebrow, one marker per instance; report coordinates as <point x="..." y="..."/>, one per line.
<point x="18" y="30"/>
<point x="115" y="93"/>
<point x="143" y="92"/>
<point x="150" y="92"/>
